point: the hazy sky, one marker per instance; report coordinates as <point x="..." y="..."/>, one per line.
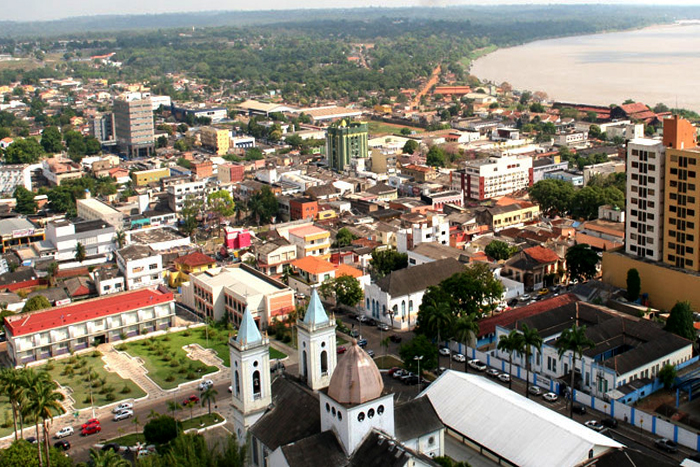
<point x="28" y="10"/>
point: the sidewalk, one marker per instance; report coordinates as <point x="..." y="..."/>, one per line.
<point x="132" y="368"/>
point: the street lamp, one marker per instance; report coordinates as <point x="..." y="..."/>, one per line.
<point x="418" y="358"/>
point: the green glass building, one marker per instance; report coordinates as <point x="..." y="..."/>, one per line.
<point x="344" y="142"/>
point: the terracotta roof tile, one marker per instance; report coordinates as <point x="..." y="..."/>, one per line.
<point x="542" y="254"/>
<point x="488" y="326"/>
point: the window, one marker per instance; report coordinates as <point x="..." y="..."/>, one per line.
<point x="256" y="384"/>
<point x="237" y="383"/>
<point x="324" y="363"/>
<point x="361" y="417"/>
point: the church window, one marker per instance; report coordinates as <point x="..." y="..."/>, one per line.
<point x="237" y="383"/>
<point x="255" y="364"/>
<point x="380" y="410"/>
<point x="256" y="384"/>
<point x="323" y="344"/>
<point x="324" y="362"/>
<point x="333" y="411"/>
<point x="370" y="413"/>
<point x="340" y="415"/>
<point x="361" y="417"/>
<point x="328" y="407"/>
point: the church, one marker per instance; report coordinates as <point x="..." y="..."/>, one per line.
<point x="330" y="414"/>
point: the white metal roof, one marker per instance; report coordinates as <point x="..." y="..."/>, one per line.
<point x="518" y="429"/>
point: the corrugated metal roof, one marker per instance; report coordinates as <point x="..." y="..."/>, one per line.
<point x="518" y="429"/>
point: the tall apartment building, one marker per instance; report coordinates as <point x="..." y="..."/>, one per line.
<point x="682" y="195"/>
<point x="133" y="119"/>
<point x="644" y="218"/>
<point x="177" y="194"/>
<point x="493" y="177"/>
<point x="215" y="139"/>
<point x="344" y="142"/>
<point x="102" y="128"/>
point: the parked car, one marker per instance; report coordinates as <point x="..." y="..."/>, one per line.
<point x="492" y="372"/>
<point x="406" y="376"/>
<point x="413" y="379"/>
<point x="524" y="297"/>
<point x="31" y="440"/>
<point x="458" y="357"/>
<point x="594" y="425"/>
<point x="62" y="444"/>
<point x="205" y="384"/>
<point x="92" y="421"/>
<point x="444" y="351"/>
<point x="579" y="409"/>
<point x="370" y="353"/>
<point x="63" y="432"/>
<point x="362" y="342"/>
<point x="362" y="318"/>
<point x="440" y="370"/>
<point x="513" y="302"/>
<point x="543" y="291"/>
<point x="371" y="322"/>
<point x="192" y="398"/>
<point x="550" y="397"/>
<point x="398" y="373"/>
<point x="383" y="327"/>
<point x="276" y="366"/>
<point x="609" y="422"/>
<point x="395" y="338"/>
<point x="504" y="377"/>
<point x="123" y="415"/>
<point x="477" y="364"/>
<point x="111" y="446"/>
<point x="392" y="371"/>
<point x="341" y="349"/>
<point x="355" y="333"/>
<point x="91" y="430"/>
<point x="534" y="390"/>
<point x="666" y="444"/>
<point x="123" y="406"/>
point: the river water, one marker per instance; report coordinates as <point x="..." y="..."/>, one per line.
<point x="651" y="65"/>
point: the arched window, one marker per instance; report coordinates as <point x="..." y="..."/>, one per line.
<point x="403" y="308"/>
<point x="384" y="310"/>
<point x="237" y="383"/>
<point x="324" y="362"/>
<point x="256" y="384"/>
<point x="410" y="306"/>
<point x="367" y="303"/>
<point x="304" y="367"/>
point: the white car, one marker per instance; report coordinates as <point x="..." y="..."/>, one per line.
<point x="123" y="406"/>
<point x="504" y="377"/>
<point x="458" y="357"/>
<point x="493" y="372"/>
<point x="444" y="351"/>
<point x="594" y="425"/>
<point x="123" y="415"/>
<point x="206" y="384"/>
<point x="550" y="397"/>
<point x="63" y="432"/>
<point x="477" y="364"/>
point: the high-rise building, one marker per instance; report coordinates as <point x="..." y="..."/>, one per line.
<point x="682" y="195"/>
<point x="493" y="177"/>
<point x="133" y="118"/>
<point x="215" y="139"/>
<point x="102" y="128"/>
<point x="645" y="198"/>
<point x="345" y="142"/>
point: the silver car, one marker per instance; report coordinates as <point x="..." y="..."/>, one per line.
<point x="123" y="415"/>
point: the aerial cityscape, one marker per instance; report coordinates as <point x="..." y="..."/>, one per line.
<point x="286" y="234"/>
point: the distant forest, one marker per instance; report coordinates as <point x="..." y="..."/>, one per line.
<point x="306" y="59"/>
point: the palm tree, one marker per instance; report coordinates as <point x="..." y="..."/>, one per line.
<point x="439" y="318"/>
<point x="190" y="405"/>
<point x="174" y="406"/>
<point x="80" y="253"/>
<point x="385" y="343"/>
<point x="531" y="338"/>
<point x="52" y="270"/>
<point x="120" y="238"/>
<point x="574" y="340"/>
<point x="136" y="423"/>
<point x="465" y="330"/>
<point x="11" y="386"/>
<point x="209" y="395"/>
<point x="510" y="343"/>
<point x="107" y="458"/>
<point x="44" y="401"/>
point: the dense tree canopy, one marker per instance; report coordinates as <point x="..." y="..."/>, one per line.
<point x="680" y="321"/>
<point x="500" y="250"/>
<point x="581" y="262"/>
<point x="386" y="261"/>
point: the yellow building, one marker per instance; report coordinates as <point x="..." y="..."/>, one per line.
<point x="665" y="285"/>
<point x="144" y="177"/>
<point x="215" y="139"/>
<point x="326" y="214"/>
<point x="311" y="241"/>
<point x="507" y="213"/>
<point x="193" y="263"/>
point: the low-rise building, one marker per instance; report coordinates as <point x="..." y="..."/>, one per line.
<point x="92" y="209"/>
<point x="311" y="241"/>
<point x="202" y="169"/>
<point x="58" y="169"/>
<point x="310" y="272"/>
<point x="144" y="177"/>
<point x="96" y="236"/>
<point x="140" y="266"/>
<point x="302" y="208"/>
<point x="273" y="256"/>
<point x="236" y="238"/>
<point x="533" y="266"/>
<point x="504" y="215"/>
<point x="17" y="232"/>
<point x="108" y="281"/>
<point x="177" y="194"/>
<point x="230" y="173"/>
<point x="192" y="263"/>
<point x="575" y="179"/>
<point x="49" y="333"/>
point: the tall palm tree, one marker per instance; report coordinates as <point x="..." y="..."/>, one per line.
<point x="107" y="458"/>
<point x="190" y="405"/>
<point x="80" y="253"/>
<point x="573" y="340"/>
<point x="174" y="406"/>
<point x="120" y="238"/>
<point x="531" y="338"/>
<point x="209" y="395"/>
<point x="510" y="343"/>
<point x="439" y="320"/>
<point x="466" y="328"/>
<point x="10" y="385"/>
<point x="44" y="400"/>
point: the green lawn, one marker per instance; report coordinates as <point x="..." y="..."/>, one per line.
<point x="275" y="354"/>
<point x="377" y="128"/>
<point x="129" y="440"/>
<point x="388" y="362"/>
<point x="107" y="387"/>
<point x="466" y="61"/>
<point x="201" y="421"/>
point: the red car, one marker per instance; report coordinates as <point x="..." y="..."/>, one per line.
<point x="192" y="398"/>
<point x="91" y="429"/>
<point x="341" y="349"/>
<point x="92" y="421"/>
<point x="392" y="371"/>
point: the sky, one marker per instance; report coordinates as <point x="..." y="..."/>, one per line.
<point x="40" y="10"/>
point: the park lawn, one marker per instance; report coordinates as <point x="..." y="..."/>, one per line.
<point x="129" y="440"/>
<point x="79" y="380"/>
<point x="377" y="128"/>
<point x="201" y="421"/>
<point x="387" y="362"/>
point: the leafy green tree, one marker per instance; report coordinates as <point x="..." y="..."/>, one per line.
<point x="667" y="375"/>
<point x="51" y="140"/>
<point x="37" y="302"/>
<point x="92" y="146"/>
<point x="466" y="328"/>
<point x="531" y="339"/>
<point x="417" y="347"/>
<point x="254" y="154"/>
<point x="221" y="203"/>
<point x="19" y="453"/>
<point x="500" y="250"/>
<point x="208" y="396"/>
<point x="24" y="151"/>
<point x="344" y="237"/>
<point x="680" y="321"/>
<point x="634" y="285"/>
<point x="536" y="107"/>
<point x="346" y="290"/>
<point x="594" y="131"/>
<point x="511" y="343"/>
<point x="386" y="261"/>
<point x="581" y="262"/>
<point x="162" y="141"/>
<point x="120" y="238"/>
<point x="473" y="291"/>
<point x="553" y="196"/>
<point x="107" y="458"/>
<point x="263" y="205"/>
<point x="191" y="209"/>
<point x="411" y="146"/>
<point x="436" y="321"/>
<point x="25" y="201"/>
<point x="161" y="430"/>
<point x="436" y="157"/>
<point x="80" y="252"/>
<point x="573" y="340"/>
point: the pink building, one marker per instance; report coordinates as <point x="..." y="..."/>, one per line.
<point x="235" y="239"/>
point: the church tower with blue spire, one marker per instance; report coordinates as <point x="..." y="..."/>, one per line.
<point x="317" y="350"/>
<point x="250" y="375"/>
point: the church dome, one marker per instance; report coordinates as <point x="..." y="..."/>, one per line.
<point x="356" y="378"/>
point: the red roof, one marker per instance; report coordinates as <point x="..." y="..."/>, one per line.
<point x="30" y="323"/>
<point x="542" y="254"/>
<point x="488" y="326"/>
<point x="194" y="259"/>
